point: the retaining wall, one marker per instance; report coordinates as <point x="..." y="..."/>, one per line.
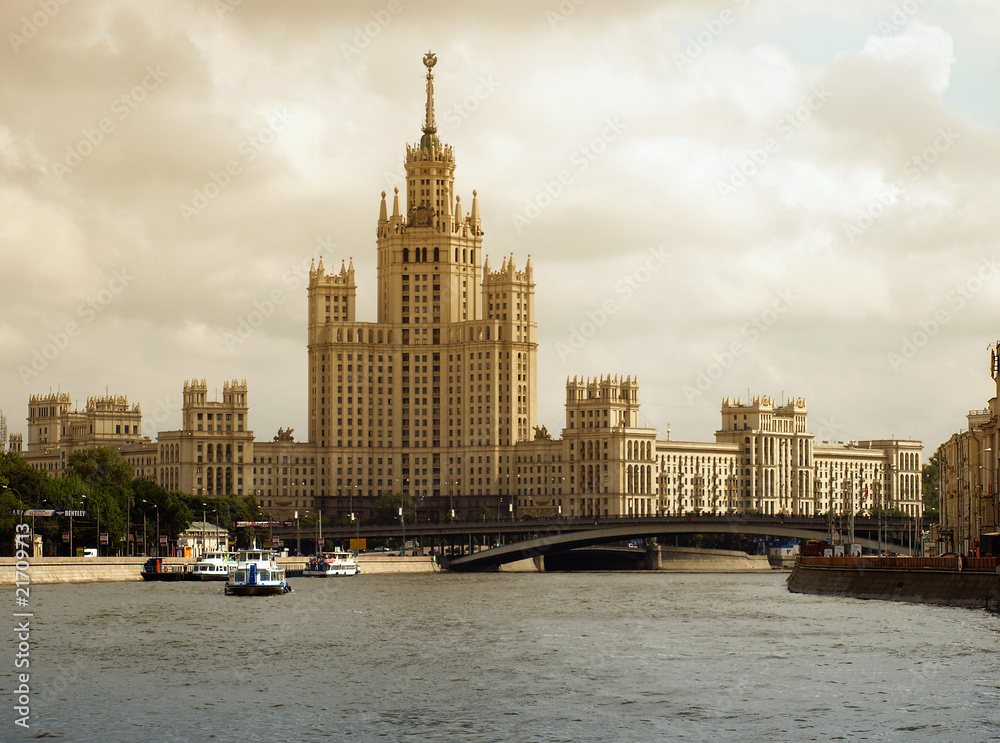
<point x="102" y="569"/>
<point x="697" y="560"/>
<point x="930" y="585"/>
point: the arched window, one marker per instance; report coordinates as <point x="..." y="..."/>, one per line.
<point x="436" y="255"/>
<point x="406" y="255"/>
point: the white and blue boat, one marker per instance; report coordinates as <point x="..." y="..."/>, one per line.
<point x="218" y="565"/>
<point x="332" y="564"/>
<point x="257" y="574"/>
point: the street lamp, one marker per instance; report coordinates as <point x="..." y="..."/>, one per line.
<point x="157" y="525"/>
<point x="402" y="523"/>
<point x="98" y="509"/>
<point x="20" y="502"/>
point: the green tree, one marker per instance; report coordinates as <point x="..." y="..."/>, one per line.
<point x="21" y="486"/>
<point x="168" y="511"/>
<point x="387" y="508"/>
<point x="930" y="481"/>
<point x="66" y="493"/>
<point x="101" y="466"/>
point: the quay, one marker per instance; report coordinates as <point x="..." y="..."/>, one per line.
<point x="947" y="581"/>
<point x="47" y="570"/>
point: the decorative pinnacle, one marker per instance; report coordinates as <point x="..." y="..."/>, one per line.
<point x="430" y="59"/>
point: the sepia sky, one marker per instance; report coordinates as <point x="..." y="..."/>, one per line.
<point x="792" y="198"/>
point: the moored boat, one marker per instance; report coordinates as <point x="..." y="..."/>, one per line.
<point x="155" y="569"/>
<point x="257" y="573"/>
<point x="332" y="564"/>
<point x="217" y="565"/>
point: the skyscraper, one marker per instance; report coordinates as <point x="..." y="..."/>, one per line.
<point x="430" y="398"/>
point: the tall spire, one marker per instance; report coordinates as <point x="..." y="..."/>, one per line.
<point x="430" y="141"/>
<point x="430" y="59"/>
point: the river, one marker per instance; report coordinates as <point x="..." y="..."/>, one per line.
<point x="633" y="656"/>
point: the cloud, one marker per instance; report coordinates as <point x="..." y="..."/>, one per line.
<point x="929" y="50"/>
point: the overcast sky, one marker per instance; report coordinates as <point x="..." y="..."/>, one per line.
<point x="793" y="198"/>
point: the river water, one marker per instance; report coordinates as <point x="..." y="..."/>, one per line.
<point x="504" y="657"/>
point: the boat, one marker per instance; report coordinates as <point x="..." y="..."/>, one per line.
<point x="217" y="565"/>
<point x="155" y="569"/>
<point x="257" y="573"/>
<point x="332" y="564"/>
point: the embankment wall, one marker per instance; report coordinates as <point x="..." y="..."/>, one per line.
<point x="102" y="569"/>
<point x="919" y="585"/>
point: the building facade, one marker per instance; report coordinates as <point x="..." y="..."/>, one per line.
<point x="432" y="396"/>
<point x="56" y="428"/>
<point x="212" y="453"/>
<point x="969" y="468"/>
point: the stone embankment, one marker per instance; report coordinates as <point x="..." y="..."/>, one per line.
<point x="102" y="569"/>
<point x="949" y="581"/>
<point x="695" y="560"/>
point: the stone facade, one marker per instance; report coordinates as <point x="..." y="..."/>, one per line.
<point x="432" y="397"/>
<point x="211" y="454"/>
<point x="969" y="463"/>
<point x="56" y="428"/>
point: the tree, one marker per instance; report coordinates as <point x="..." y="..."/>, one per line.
<point x="930" y="481"/>
<point x="169" y="510"/>
<point x="101" y="466"/>
<point x="387" y="508"/>
<point x="21" y="486"/>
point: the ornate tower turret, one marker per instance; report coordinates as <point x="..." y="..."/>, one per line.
<point x="429" y="237"/>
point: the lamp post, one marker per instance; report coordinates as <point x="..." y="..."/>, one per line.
<point x="148" y="503"/>
<point x="71" y="553"/>
<point x="98" y="509"/>
<point x="20" y="502"/>
<point x="319" y="527"/>
<point x="402" y="522"/>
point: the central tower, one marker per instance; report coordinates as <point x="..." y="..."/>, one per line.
<point x="430" y="232"/>
<point x="432" y="397"/>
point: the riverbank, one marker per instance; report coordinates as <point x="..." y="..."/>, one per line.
<point x="42" y="570"/>
<point x="946" y="581"/>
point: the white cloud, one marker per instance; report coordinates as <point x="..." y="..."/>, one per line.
<point x="927" y="49"/>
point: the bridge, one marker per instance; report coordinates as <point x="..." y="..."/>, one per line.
<point x="487" y="545"/>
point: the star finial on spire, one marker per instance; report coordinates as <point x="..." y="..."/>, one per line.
<point x="430" y="59"/>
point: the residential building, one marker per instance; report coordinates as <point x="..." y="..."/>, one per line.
<point x="969" y="463"/>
